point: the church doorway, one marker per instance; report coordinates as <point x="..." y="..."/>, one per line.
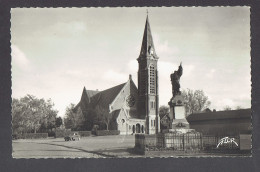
<point x="138" y="128"/>
<point x="133" y="128"/>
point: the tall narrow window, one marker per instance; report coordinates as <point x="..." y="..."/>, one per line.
<point x="143" y="83"/>
<point x="152" y="79"/>
<point x="152" y="103"/>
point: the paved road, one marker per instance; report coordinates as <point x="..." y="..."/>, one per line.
<point x="91" y="147"/>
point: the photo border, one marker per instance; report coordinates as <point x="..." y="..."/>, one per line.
<point x="7" y="163"/>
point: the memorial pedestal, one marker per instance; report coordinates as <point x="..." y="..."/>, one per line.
<point x="177" y="114"/>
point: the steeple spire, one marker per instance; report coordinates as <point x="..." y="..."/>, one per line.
<point x="147" y="48"/>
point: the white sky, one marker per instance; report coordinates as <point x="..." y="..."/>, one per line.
<point x="56" y="52"/>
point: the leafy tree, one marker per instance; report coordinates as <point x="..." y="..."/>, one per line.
<point x="69" y="116"/>
<point x="104" y="116"/>
<point x="91" y="119"/>
<point x="74" y="118"/>
<point x="30" y="114"/>
<point x="195" y="101"/>
<point x="58" y="122"/>
<point x="163" y="110"/>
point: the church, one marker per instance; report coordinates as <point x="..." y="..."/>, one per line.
<point x="132" y="109"/>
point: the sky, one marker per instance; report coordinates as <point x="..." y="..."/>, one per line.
<point x="58" y="51"/>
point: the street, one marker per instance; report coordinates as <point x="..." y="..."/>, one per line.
<point x="90" y="147"/>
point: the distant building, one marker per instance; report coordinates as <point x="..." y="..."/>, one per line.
<point x="165" y="122"/>
<point x="225" y="123"/>
<point x="133" y="110"/>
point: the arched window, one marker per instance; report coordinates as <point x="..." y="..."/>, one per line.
<point x="152" y="79"/>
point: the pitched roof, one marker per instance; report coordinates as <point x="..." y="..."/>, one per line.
<point x="147" y="40"/>
<point x="87" y="94"/>
<point x="219" y="115"/>
<point x="91" y="93"/>
<point x="106" y="97"/>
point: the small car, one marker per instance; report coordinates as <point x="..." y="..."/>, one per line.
<point x="73" y="137"/>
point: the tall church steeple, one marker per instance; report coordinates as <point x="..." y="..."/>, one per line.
<point x="148" y="82"/>
<point x="147" y="48"/>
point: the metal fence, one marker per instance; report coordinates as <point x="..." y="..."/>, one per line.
<point x="188" y="141"/>
<point x="191" y="141"/>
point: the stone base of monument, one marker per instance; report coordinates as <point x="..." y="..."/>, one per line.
<point x="177" y="108"/>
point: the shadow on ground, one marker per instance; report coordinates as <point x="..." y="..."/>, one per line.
<point x="83" y="150"/>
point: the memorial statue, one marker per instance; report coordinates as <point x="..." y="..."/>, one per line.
<point x="175" y="79"/>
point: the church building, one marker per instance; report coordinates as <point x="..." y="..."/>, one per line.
<point x="132" y="110"/>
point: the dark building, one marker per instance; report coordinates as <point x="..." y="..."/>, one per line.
<point x="225" y="123"/>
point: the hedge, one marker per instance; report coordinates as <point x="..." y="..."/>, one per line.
<point x="107" y="132"/>
<point x="62" y="132"/>
<point x="84" y="133"/>
<point x="31" y="136"/>
<point x="66" y="132"/>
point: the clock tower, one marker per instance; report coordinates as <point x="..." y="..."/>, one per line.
<point x="148" y="101"/>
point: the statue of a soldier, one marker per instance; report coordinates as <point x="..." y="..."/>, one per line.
<point x="175" y="79"/>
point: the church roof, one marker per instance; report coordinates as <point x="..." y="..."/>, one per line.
<point x="147" y="43"/>
<point x="85" y="98"/>
<point x="106" y="97"/>
<point x="219" y="115"/>
<point x="87" y="94"/>
<point x="91" y="93"/>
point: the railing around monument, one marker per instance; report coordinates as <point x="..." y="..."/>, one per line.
<point x="188" y="141"/>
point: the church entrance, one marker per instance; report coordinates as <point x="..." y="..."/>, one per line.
<point x="138" y="128"/>
<point x="133" y="128"/>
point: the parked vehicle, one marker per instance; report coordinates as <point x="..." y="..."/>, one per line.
<point x="73" y="137"/>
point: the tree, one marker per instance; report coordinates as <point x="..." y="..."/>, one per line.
<point x="74" y="118"/>
<point x="239" y="107"/>
<point x="91" y="119"/>
<point x="195" y="101"/>
<point x="227" y="108"/>
<point x="69" y="120"/>
<point x="58" y="122"/>
<point x="30" y="114"/>
<point x="104" y="116"/>
<point x="163" y="110"/>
